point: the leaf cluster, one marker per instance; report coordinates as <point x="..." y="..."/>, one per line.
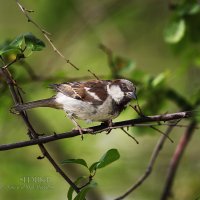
<point x="180" y="23"/>
<point x="22" y="46"/>
<point x="109" y="157"/>
<point x="183" y="30"/>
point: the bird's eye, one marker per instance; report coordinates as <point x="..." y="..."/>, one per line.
<point x="123" y="87"/>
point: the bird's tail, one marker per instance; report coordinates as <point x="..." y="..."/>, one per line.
<point x="50" y="102"/>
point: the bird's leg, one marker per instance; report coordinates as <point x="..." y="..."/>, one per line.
<point x="108" y="123"/>
<point x="70" y="116"/>
<point x="78" y="127"/>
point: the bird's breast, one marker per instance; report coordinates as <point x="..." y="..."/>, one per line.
<point x="86" y="110"/>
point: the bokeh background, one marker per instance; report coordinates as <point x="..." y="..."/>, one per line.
<point x="133" y="30"/>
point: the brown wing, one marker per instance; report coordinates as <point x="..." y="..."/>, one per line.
<point x="68" y="89"/>
<point x="90" y="91"/>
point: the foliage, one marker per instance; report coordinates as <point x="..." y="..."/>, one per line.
<point x="22" y="46"/>
<point x="183" y="30"/>
<point x="181" y="34"/>
<point x="109" y="157"/>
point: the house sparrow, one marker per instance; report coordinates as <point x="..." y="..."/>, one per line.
<point x="94" y="100"/>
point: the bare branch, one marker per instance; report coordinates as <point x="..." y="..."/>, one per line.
<point x="44" y="32"/>
<point x="99" y="129"/>
<point x="176" y="159"/>
<point x="149" y="168"/>
<point x="31" y="132"/>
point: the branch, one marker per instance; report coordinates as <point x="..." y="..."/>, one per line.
<point x="149" y="168"/>
<point x="44" y="32"/>
<point x="176" y="159"/>
<point x="98" y="129"/>
<point x="31" y="132"/>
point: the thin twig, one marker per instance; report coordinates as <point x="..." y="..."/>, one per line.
<point x="111" y="61"/>
<point x="9" y="64"/>
<point x="93" y="74"/>
<point x="44" y="32"/>
<point x="150" y="166"/>
<point x="158" y="130"/>
<point x="90" y="178"/>
<point x="130" y="135"/>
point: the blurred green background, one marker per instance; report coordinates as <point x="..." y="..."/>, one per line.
<point x="133" y="30"/>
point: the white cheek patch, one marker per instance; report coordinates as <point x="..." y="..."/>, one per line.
<point x="115" y="92"/>
<point x="92" y="94"/>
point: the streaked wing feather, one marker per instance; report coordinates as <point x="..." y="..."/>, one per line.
<point x="67" y="89"/>
<point x="85" y="91"/>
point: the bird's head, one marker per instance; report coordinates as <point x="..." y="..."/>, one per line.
<point x="122" y="91"/>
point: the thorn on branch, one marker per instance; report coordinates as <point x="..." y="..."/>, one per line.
<point x="55" y="134"/>
<point x="40" y="157"/>
<point x="27" y="10"/>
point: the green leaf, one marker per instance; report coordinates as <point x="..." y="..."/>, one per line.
<point x="33" y="43"/>
<point x="109" y="157"/>
<point x="17" y="42"/>
<point x="93" y="167"/>
<point x="75" y="161"/>
<point x="71" y="189"/>
<point x="82" y="194"/>
<point x="23" y="42"/>
<point x="188" y="8"/>
<point x="194" y="9"/>
<point x="10" y="50"/>
<point x="159" y="79"/>
<point x="175" y="31"/>
<point x="70" y="193"/>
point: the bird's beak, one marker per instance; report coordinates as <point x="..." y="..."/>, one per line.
<point x="131" y="95"/>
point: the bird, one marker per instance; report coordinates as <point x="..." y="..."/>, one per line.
<point x="92" y="100"/>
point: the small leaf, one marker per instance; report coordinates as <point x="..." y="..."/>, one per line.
<point x="71" y="189"/>
<point x="194" y="9"/>
<point x="82" y="194"/>
<point x="75" y="161"/>
<point x="8" y="50"/>
<point x="175" y="31"/>
<point x="159" y="79"/>
<point x="70" y="193"/>
<point x="109" y="157"/>
<point x="21" y="43"/>
<point x="188" y="8"/>
<point x="33" y="43"/>
<point x="93" y="167"/>
<point x="17" y="42"/>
